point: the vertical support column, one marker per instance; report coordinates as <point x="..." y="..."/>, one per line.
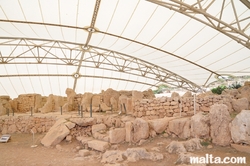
<point x="61" y="110"/>
<point x="180" y="106"/>
<point x="8" y="112"/>
<point x="194" y="104"/>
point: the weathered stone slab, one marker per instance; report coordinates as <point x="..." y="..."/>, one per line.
<point x="117" y="135"/>
<point x="98" y="145"/>
<point x="84" y="121"/>
<point x="56" y="134"/>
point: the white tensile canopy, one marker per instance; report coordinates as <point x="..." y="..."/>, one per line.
<point x="47" y="46"/>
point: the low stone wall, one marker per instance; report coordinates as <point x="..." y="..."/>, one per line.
<point x="174" y="106"/>
<point x="24" y="124"/>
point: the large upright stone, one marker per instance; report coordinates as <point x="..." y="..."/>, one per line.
<point x="56" y="133"/>
<point x="200" y="125"/>
<point x="108" y="94"/>
<point x="49" y="105"/>
<point x="114" y="104"/>
<point x="180" y="127"/>
<point x="128" y="129"/>
<point x="219" y="121"/>
<point x="70" y="105"/>
<point x="86" y="101"/>
<point x="240" y="127"/>
<point x="141" y="129"/>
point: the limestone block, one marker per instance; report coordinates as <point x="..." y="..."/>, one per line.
<point x="86" y="101"/>
<point x="114" y="104"/>
<point x="240" y="104"/>
<point x="159" y="125"/>
<point x="104" y="107"/>
<point x="98" y="145"/>
<point x="141" y="129"/>
<point x="117" y="135"/>
<point x="180" y="127"/>
<point x="84" y="152"/>
<point x="70" y="125"/>
<point x="240" y="127"/>
<point x="200" y="125"/>
<point x="219" y="121"/>
<point x="98" y="127"/>
<point x="96" y="100"/>
<point x="128" y="130"/>
<point x="49" y="105"/>
<point x="108" y="94"/>
<point x="70" y="95"/>
<point x="84" y="121"/>
<point x="56" y="134"/>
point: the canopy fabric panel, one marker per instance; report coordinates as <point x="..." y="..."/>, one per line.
<point x="92" y="45"/>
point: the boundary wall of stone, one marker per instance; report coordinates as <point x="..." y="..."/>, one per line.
<point x="178" y="106"/>
<point x="24" y="124"/>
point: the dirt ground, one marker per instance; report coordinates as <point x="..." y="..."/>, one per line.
<point x="18" y="152"/>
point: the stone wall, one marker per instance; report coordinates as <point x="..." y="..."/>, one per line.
<point x="24" y="102"/>
<point x="176" y="106"/>
<point x="24" y="124"/>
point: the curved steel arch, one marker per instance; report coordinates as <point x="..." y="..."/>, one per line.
<point x="233" y="30"/>
<point x="94" y="57"/>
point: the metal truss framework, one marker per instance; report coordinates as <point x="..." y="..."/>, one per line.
<point x="74" y="54"/>
<point x="87" y="57"/>
<point x="198" y="11"/>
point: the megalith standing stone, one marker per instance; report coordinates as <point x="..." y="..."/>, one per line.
<point x="180" y="127"/>
<point x="49" y="105"/>
<point x="219" y="121"/>
<point x="200" y="125"/>
<point x="240" y="127"/>
<point x="141" y="129"/>
<point x="56" y="133"/>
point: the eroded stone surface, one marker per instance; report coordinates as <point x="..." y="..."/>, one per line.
<point x="240" y="127"/>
